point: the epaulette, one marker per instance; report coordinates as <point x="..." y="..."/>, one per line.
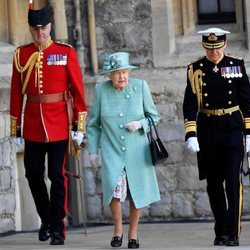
<point x="196" y="60"/>
<point x="234" y="57"/>
<point x="65" y="44"/>
<point x="23" y="46"/>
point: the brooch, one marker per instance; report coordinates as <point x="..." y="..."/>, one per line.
<point x="215" y="69"/>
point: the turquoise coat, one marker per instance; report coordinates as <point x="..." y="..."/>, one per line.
<point x="120" y="148"/>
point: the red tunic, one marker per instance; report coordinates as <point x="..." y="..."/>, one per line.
<point x="59" y="71"/>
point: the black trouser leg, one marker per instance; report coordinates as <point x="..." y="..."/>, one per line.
<point x="234" y="191"/>
<point x="58" y="192"/>
<point x="34" y="162"/>
<point x="51" y="209"/>
<point x="217" y="198"/>
<point x="226" y="202"/>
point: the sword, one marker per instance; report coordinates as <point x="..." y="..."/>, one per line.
<point x="78" y="176"/>
<point x="247" y="172"/>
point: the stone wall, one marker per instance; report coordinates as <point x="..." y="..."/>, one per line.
<point x="120" y="25"/>
<point x="7" y="187"/>
<point x="7" y="165"/>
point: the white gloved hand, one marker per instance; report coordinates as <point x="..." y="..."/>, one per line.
<point x="192" y="144"/>
<point x="248" y="144"/>
<point x="94" y="160"/>
<point x="77" y="136"/>
<point x="19" y="141"/>
<point x="133" y="126"/>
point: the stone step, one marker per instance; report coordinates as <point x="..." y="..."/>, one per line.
<point x="189" y="47"/>
<point x="5" y="81"/>
<point x="6" y="51"/>
<point x="6" y="47"/>
<point x="5" y="70"/>
<point x="192" y="47"/>
<point x="188" y="52"/>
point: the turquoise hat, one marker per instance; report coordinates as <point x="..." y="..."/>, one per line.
<point x="116" y="61"/>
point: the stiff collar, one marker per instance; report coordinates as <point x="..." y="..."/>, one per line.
<point x="217" y="62"/>
<point x="44" y="45"/>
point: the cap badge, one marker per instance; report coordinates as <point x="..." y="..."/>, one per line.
<point x="212" y="38"/>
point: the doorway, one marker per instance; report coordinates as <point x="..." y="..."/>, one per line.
<point x="216" y="11"/>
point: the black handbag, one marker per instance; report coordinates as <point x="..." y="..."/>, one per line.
<point x="157" y="149"/>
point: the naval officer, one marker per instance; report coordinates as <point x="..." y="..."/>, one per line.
<point x="216" y="112"/>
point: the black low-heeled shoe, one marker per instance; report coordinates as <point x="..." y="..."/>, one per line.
<point x="233" y="241"/>
<point x="44" y="232"/>
<point x="221" y="240"/>
<point x="116" y="241"/>
<point x="132" y="243"/>
<point x="56" y="239"/>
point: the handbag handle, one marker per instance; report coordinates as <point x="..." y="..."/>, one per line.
<point x="151" y="121"/>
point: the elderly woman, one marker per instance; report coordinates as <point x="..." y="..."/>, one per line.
<point x="118" y="123"/>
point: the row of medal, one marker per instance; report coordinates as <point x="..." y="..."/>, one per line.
<point x="57" y="59"/>
<point x="231" y="72"/>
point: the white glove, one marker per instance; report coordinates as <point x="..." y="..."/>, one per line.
<point x="133" y="126"/>
<point x="17" y="140"/>
<point x="248" y="144"/>
<point x="192" y="144"/>
<point x="94" y="160"/>
<point x="77" y="136"/>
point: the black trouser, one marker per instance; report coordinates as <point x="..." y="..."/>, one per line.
<point x="220" y="157"/>
<point x="226" y="207"/>
<point x="52" y="208"/>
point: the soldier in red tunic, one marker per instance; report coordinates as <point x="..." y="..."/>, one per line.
<point x="47" y="75"/>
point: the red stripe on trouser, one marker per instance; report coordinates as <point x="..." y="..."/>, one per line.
<point x="66" y="195"/>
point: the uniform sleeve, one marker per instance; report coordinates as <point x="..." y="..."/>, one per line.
<point x="77" y="90"/>
<point x="148" y="107"/>
<point x="190" y="109"/>
<point x="244" y="98"/>
<point x="94" y="123"/>
<point x="16" y="103"/>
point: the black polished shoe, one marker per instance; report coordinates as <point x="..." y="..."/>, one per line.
<point x="221" y="240"/>
<point x="56" y="239"/>
<point x="132" y="243"/>
<point x="44" y="232"/>
<point x="116" y="241"/>
<point x="233" y="241"/>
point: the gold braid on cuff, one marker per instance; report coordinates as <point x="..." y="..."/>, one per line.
<point x="190" y="126"/>
<point x="81" y="123"/>
<point x="13" y="126"/>
<point x="247" y="122"/>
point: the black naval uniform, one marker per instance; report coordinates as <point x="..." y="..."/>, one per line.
<point x="217" y="110"/>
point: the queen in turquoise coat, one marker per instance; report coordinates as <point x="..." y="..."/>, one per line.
<point x="118" y="125"/>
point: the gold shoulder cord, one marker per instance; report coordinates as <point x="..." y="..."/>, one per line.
<point x="195" y="79"/>
<point x="191" y="77"/>
<point x="28" y="66"/>
<point x="235" y="57"/>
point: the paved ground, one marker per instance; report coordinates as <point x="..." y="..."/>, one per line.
<point x="179" y="235"/>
